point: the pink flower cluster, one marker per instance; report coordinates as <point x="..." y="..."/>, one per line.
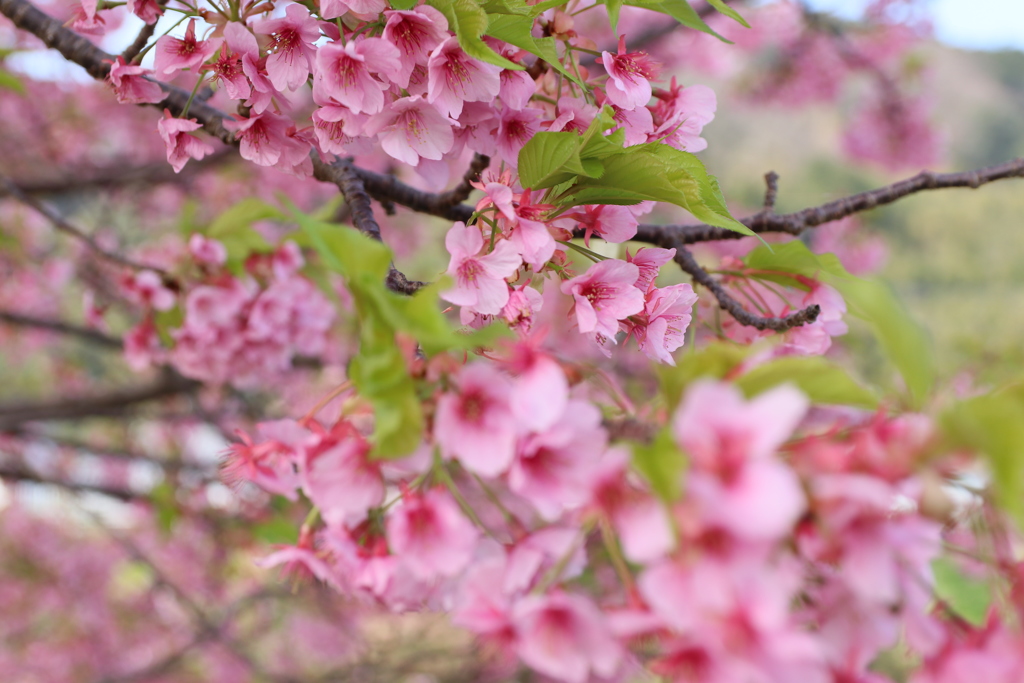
<point x="235" y="330"/>
<point x="791" y="553"/>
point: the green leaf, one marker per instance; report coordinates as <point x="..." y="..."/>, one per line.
<point x="542" y="7"/>
<point x="518" y="30"/>
<point x="403" y="4"/>
<point x="714" y="360"/>
<point x="165" y="321"/>
<point x="614" y="7"/>
<point x="681" y="11"/>
<point x="277" y="531"/>
<point x="660" y="173"/>
<point x="993" y="424"/>
<point x="821" y="380"/>
<point x="904" y="342"/>
<point x="378" y="370"/>
<point x="233" y="228"/>
<point x="468" y="21"/>
<point x="728" y="11"/>
<point x="9" y="81"/>
<point x="517" y="7"/>
<point x="543" y="159"/>
<point x="970" y="598"/>
<point x="663" y="464"/>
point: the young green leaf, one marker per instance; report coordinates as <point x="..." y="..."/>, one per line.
<point x="543" y="159"/>
<point x="821" y="380"/>
<point x="970" y="598"/>
<point x="663" y="464"/>
<point x="518" y="30"/>
<point x="728" y="11"/>
<point x="468" y="21"/>
<point x="904" y="342"/>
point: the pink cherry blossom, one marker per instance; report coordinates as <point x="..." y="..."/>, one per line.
<point x="416" y="33"/>
<point x="630" y="75"/>
<point x="515" y="128"/>
<point x="455" y="78"/>
<point x="180" y="145"/>
<point x="611" y="223"/>
<point x="332" y="9"/>
<point x="291" y="48"/>
<point x="147" y="288"/>
<point x="130" y="86"/>
<point x="737" y="481"/>
<point x="147" y="10"/>
<point x="411" y="129"/>
<point x="649" y="260"/>
<point x="564" y="636"/>
<point x="475" y="424"/>
<point x="338" y="476"/>
<point x="266" y="139"/>
<point x="523" y="304"/>
<point x="666" y="316"/>
<point x="604" y="295"/>
<point x="174" y="54"/>
<point x="552" y="469"/>
<point x="430" y="535"/>
<point x="682" y="113"/>
<point x="345" y="73"/>
<point x="207" y="251"/>
<point x="336" y="128"/>
<point x="479" y="280"/>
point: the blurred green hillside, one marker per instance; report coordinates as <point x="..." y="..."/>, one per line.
<point x="956" y="256"/>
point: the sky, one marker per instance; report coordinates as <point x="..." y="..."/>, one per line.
<point x="973" y="24"/>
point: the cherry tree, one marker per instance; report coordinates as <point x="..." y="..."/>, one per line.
<point x="608" y="437"/>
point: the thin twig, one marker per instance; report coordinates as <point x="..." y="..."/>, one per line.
<point x="60" y="327"/>
<point x="689" y="264"/>
<point x="796" y="223"/>
<point x="12" y="416"/>
<point x="133" y="50"/>
<point x="63" y="225"/>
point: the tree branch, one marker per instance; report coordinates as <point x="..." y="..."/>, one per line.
<point x="59" y="327"/>
<point x="689" y="264"/>
<point x="796" y="223"/>
<point x="12" y="416"/>
<point x="133" y="50"/>
<point x="62" y="224"/>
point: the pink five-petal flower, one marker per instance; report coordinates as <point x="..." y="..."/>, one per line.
<point x="479" y="280"/>
<point x="416" y="34"/>
<point x="515" y="128"/>
<point x="411" y="128"/>
<point x="346" y="73"/>
<point x="292" y="48"/>
<point x="228" y="69"/>
<point x="565" y="636"/>
<point x="174" y="54"/>
<point x="475" y="423"/>
<point x="130" y="87"/>
<point x="736" y="480"/>
<point x="147" y="10"/>
<point x="206" y="250"/>
<point x="430" y="535"/>
<point x="336" y="126"/>
<point x="719" y="429"/>
<point x="667" y="312"/>
<point x="553" y="468"/>
<point x="605" y="295"/>
<point x="630" y="75"/>
<point x="338" y="476"/>
<point x="332" y="9"/>
<point x="265" y="140"/>
<point x="649" y="260"/>
<point x="454" y="78"/>
<point x="609" y="222"/>
<point x="180" y="145"/>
